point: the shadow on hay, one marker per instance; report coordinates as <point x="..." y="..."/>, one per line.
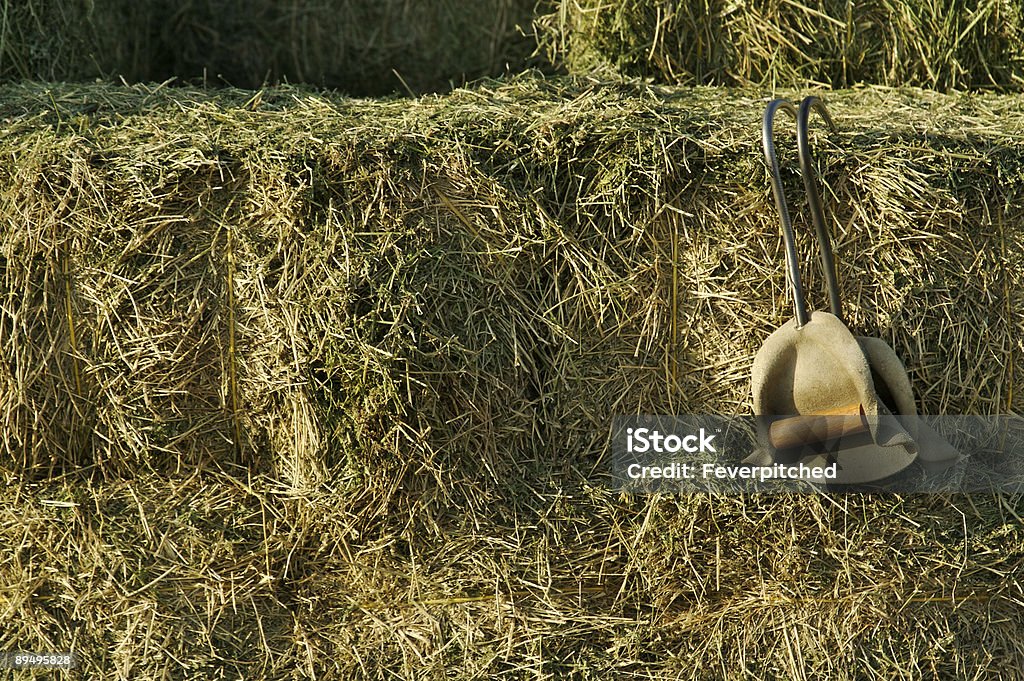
<point x="363" y="48"/>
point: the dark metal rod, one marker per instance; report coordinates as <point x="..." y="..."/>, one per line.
<point x="792" y="265"/>
<point x="828" y="265"/>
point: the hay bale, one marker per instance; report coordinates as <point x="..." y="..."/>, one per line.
<point x="80" y="40"/>
<point x="126" y="573"/>
<point x="158" y="577"/>
<point x="445" y="273"/>
<point x="45" y="380"/>
<point x="355" y="46"/>
<point x="368" y="307"/>
<point x="123" y="266"/>
<point x="670" y="268"/>
<point x="772" y="43"/>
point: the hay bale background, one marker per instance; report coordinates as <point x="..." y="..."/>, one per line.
<point x="774" y="43"/>
<point x="355" y="46"/>
<point x="347" y="368"/>
<point x="81" y="40"/>
<point x="380" y="48"/>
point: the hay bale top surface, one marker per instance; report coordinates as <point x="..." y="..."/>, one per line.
<point x="543" y="116"/>
<point x="514" y="94"/>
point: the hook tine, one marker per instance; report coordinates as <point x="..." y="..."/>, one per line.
<point x="789" y="241"/>
<point x="828" y="266"/>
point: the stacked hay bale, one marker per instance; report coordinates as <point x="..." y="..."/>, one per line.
<point x="776" y="43"/>
<point x="486" y="277"/>
<point x="170" y="576"/>
<point x="122" y="260"/>
<point x="345" y="371"/>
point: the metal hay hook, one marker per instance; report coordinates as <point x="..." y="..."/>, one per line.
<point x="802" y="117"/>
<point x="828" y="264"/>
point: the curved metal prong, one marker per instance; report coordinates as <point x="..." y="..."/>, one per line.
<point x="828" y="266"/>
<point x="789" y="241"/>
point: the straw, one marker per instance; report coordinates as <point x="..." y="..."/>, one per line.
<point x="437" y="305"/>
